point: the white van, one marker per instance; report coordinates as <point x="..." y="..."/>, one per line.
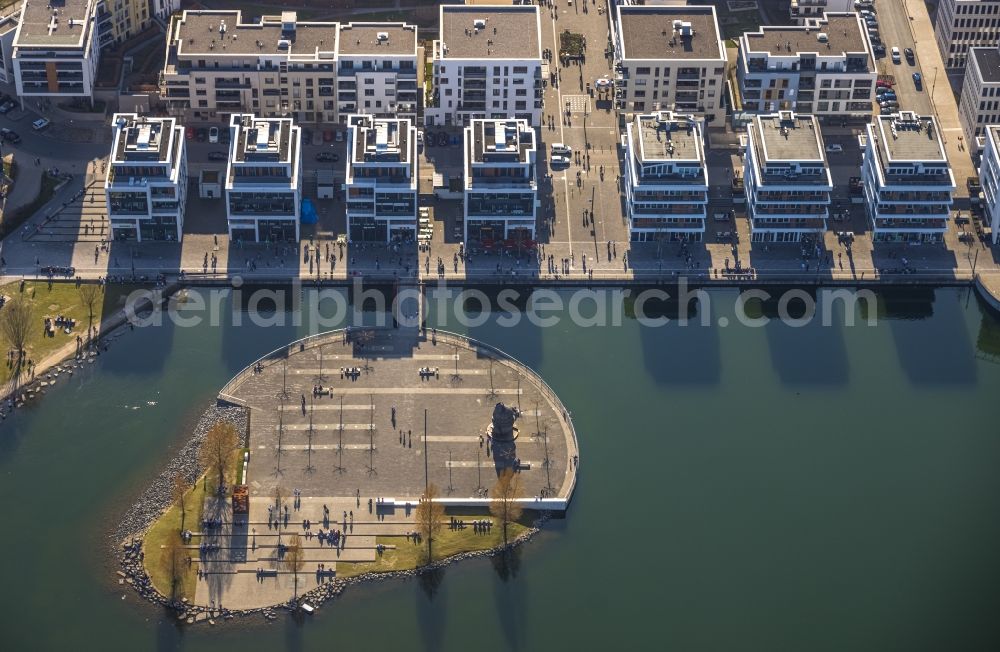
<point x="562" y="150"/>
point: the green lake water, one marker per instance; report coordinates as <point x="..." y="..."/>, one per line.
<point x="774" y="488"/>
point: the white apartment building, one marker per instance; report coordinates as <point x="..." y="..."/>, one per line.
<point x="907" y="180"/>
<point x="786" y="178"/>
<point x="801" y="10"/>
<point x="823" y="68"/>
<point x="381" y="179"/>
<point x="264" y="179"/>
<point x="989" y="178"/>
<point x="146" y="187"/>
<point x="670" y="58"/>
<point x="486" y="64"/>
<point x="56" y="48"/>
<point x="377" y="70"/>
<point x="963" y="24"/>
<point x="666" y="179"/>
<point x="501" y="190"/>
<point x="979" y="105"/>
<point x="216" y="64"/>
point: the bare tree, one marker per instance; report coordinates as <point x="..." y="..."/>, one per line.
<point x="294" y="560"/>
<point x="504" y="505"/>
<point x="173" y="563"/>
<point x="178" y="492"/>
<point x="430" y="517"/>
<point x="219" y="443"/>
<point x="15" y="322"/>
<point x="90" y="294"/>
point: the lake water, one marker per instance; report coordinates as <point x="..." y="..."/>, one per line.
<point x="773" y="488"/>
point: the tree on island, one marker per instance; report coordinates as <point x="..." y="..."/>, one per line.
<point x="15" y="322"/>
<point x="294" y="560"/>
<point x="219" y="443"/>
<point x="173" y="564"/>
<point x="178" y="493"/>
<point x="504" y="505"/>
<point x="90" y="294"/>
<point x="430" y="517"/>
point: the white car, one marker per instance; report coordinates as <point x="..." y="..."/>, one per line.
<point x="835" y="148"/>
<point x="213" y="135"/>
<point x="559" y="161"/>
<point x="40" y="124"/>
<point x="895" y="55"/>
<point x="559" y="149"/>
<point x="603" y="83"/>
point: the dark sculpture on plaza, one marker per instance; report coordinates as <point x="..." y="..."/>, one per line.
<point x="502" y="426"/>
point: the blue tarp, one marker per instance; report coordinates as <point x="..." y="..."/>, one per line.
<point x="308" y="212"/>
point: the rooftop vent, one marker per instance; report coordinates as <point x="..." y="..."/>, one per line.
<point x="382" y="37"/>
<point x="284" y="44"/>
<point x="823" y="37"/>
<point x="479" y="23"/>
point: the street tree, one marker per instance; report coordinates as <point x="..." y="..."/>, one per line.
<point x="219" y="443"/>
<point x="430" y="517"/>
<point x="15" y="323"/>
<point x="504" y="505"/>
<point x="90" y="295"/>
<point x="294" y="560"/>
<point x="178" y="492"/>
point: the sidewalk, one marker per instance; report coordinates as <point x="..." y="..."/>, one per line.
<point x="945" y="104"/>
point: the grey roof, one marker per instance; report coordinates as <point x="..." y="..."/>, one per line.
<point x="365" y="147"/>
<point x="362" y="39"/>
<point x="143" y="139"/>
<point x="38" y="28"/>
<point x="669" y="138"/>
<point x="279" y="144"/>
<point x="784" y="139"/>
<point x="198" y="33"/>
<point x="843" y="33"/>
<point x="647" y="32"/>
<point x="517" y="140"/>
<point x="988" y="62"/>
<point x="511" y="32"/>
<point x="907" y="137"/>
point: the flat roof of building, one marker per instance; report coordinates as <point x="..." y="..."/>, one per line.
<point x="54" y="22"/>
<point x="648" y="32"/>
<point x="501" y="141"/>
<point x="141" y="138"/>
<point x="377" y="38"/>
<point x="843" y="36"/>
<point x="788" y="137"/>
<point x="199" y="32"/>
<point x="504" y="32"/>
<point x="668" y="137"/>
<point x="261" y="140"/>
<point x="988" y="62"/>
<point x="908" y="137"/>
<point x="385" y="140"/>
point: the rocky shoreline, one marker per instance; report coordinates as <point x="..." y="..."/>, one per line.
<point x="127" y="536"/>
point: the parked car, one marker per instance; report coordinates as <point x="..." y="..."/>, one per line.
<point x="189" y="133"/>
<point x="882" y="90"/>
<point x="910" y="58"/>
<point x="917" y="80"/>
<point x="339" y="136"/>
<point x="560" y="149"/>
<point x="895" y="55"/>
<point x="328" y="135"/>
<point x="307" y="137"/>
<point x="213" y="135"/>
<point x="9" y="135"/>
<point x="218" y="156"/>
<point x="7" y="106"/>
<point x="835" y="148"/>
<point x="879" y="49"/>
<point x="327" y="157"/>
<point x="559" y="161"/>
<point x="40" y="124"/>
<point x="889" y="106"/>
<point x="201" y="134"/>
<point x="883" y="83"/>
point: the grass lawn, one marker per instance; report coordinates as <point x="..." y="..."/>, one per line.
<point x="169" y="525"/>
<point x="62" y="298"/>
<point x="409" y="555"/>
